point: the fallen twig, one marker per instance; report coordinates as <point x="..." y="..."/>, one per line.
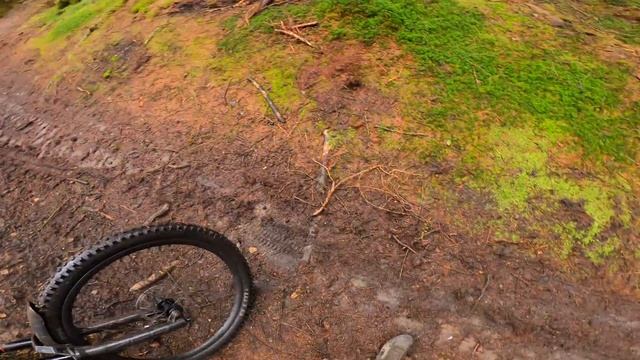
<point x="405" y="246"/>
<point x="336" y="185"/>
<point x="154" y="32"/>
<point x="382" y="208"/>
<point x="178" y="166"/>
<point x="264" y="93"/>
<point x="484" y="290"/>
<point x="84" y="90"/>
<point x="326" y="147"/>
<point x="402" y="132"/>
<point x="164" y="209"/>
<point x="404" y="259"/>
<point x="53" y="214"/>
<point x="99" y="212"/>
<point x="75" y="224"/>
<point x="294" y="35"/>
<point x="155" y="277"/>
<point x="304" y="25"/>
<point x="226" y="91"/>
<point x="79" y="181"/>
<point x="260" y="7"/>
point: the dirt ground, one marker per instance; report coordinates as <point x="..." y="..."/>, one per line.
<point x="73" y="170"/>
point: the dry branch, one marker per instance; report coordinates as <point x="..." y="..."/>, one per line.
<point x="336" y="185"/>
<point x="258" y="9"/>
<point x="154" y="32"/>
<point x="304" y="25"/>
<point x="164" y="209"/>
<point x="326" y="147"/>
<point x="404" y="246"/>
<point x="264" y="93"/>
<point x="403" y="132"/>
<point x="294" y="35"/>
<point x="155" y="277"/>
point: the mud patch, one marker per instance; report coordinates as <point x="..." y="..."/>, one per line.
<point x="119" y="60"/>
<point x="6" y="6"/>
<point x="338" y="85"/>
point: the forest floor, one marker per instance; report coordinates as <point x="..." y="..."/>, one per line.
<point x="487" y="156"/>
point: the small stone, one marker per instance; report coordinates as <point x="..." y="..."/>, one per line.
<point x="253" y="249"/>
<point x="487" y="355"/>
<point x="413" y="326"/>
<point x="4" y="272"/>
<point x="3" y="315"/>
<point x="359" y="283"/>
<point x="467" y="345"/>
<point x="306" y="253"/>
<point x="557" y="22"/>
<point x="296" y="294"/>
<point x="396" y="348"/>
<point x="447" y="334"/>
<point x="389" y="297"/>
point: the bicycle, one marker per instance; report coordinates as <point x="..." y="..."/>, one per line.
<point x="106" y="303"/>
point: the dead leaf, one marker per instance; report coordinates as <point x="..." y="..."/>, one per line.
<point x="296" y="294"/>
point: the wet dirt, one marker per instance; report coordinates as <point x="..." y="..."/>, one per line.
<point x="6" y="6"/>
<point x="74" y="169"/>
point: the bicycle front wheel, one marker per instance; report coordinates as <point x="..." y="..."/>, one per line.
<point x="135" y="273"/>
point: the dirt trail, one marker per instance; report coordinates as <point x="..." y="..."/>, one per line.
<point x="54" y="155"/>
<point x="73" y="171"/>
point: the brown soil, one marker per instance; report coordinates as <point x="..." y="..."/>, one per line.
<point x="74" y="168"/>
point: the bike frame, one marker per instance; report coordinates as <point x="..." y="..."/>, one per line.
<point x="43" y="343"/>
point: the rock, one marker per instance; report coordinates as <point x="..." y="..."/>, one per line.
<point x="396" y="348"/>
<point x="296" y="294"/>
<point x="389" y="296"/>
<point x="487" y="355"/>
<point x="359" y="283"/>
<point x="306" y="253"/>
<point x="467" y="345"/>
<point x="448" y="333"/>
<point x="412" y="326"/>
<point x="557" y="22"/>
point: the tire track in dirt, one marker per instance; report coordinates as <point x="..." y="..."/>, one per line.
<point x="42" y="138"/>
<point x="38" y="134"/>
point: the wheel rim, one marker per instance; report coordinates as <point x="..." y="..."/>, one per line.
<point x="228" y="318"/>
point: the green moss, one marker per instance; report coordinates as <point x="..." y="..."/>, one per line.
<point x="107" y="74"/>
<point x="238" y="39"/>
<point x="341" y="138"/>
<point x="599" y="253"/>
<point x="623" y="29"/>
<point x="142" y="6"/>
<point x="478" y="67"/>
<point x="165" y="43"/>
<point x="283" y="90"/>
<point x="64" y="23"/>
<point x="338" y="33"/>
<point x="231" y="23"/>
<point x="515" y="165"/>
